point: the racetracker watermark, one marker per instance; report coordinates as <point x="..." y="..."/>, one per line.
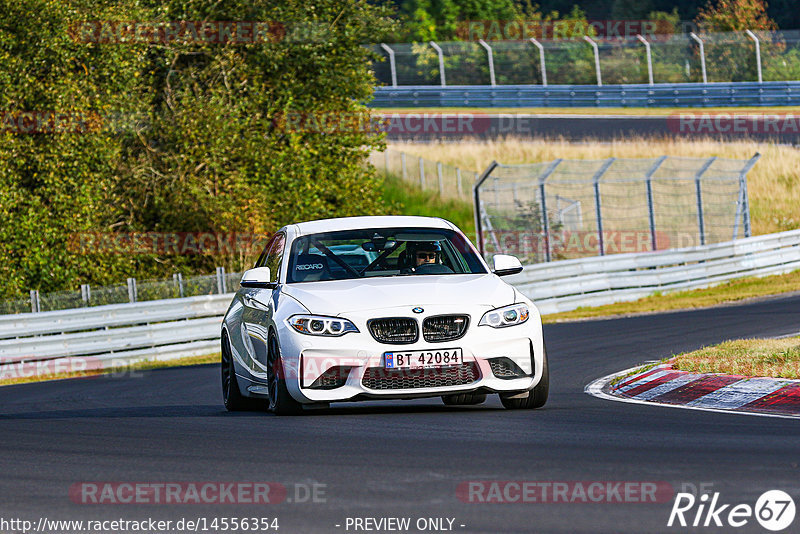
<point x="28" y="368"/>
<point x="522" y="30"/>
<point x="725" y="124"/>
<point x="561" y="492"/>
<point x="50" y="122"/>
<point x="166" y="243"/>
<point x="567" y="243"/>
<point x="177" y="32"/>
<point x="208" y="492"/>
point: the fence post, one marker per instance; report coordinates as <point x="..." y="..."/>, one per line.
<point x="441" y="61"/>
<point x="392" y="65"/>
<point x="598" y="203"/>
<point x="386" y="162"/>
<point x="596" y="58"/>
<point x="649" y="59"/>
<point x="699" y="192"/>
<point x="476" y="199"/>
<point x="458" y="182"/>
<point x="422" y="173"/>
<point x="758" y="53"/>
<point x="541" y="60"/>
<point x="545" y="221"/>
<point x="702" y="55"/>
<point x="178" y="279"/>
<point x="403" y="165"/>
<point x="491" y="60"/>
<point x="743" y="206"/>
<point x="441" y="179"/>
<point x="132" y="290"/>
<point x="36" y="304"/>
<point x="221" y="289"/>
<point x="86" y="293"/>
<point x="650" y="208"/>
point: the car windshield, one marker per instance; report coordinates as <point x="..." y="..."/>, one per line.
<point x="376" y="252"/>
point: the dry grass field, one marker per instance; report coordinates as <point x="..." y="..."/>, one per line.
<point x="773" y="184"/>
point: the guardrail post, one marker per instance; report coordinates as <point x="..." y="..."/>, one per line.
<point x="598" y="204"/>
<point x="422" y="173"/>
<point x="476" y="199"/>
<point x="650" y="208"/>
<point x="36" y="304"/>
<point x="392" y="65"/>
<point x="596" y="58"/>
<point x="86" y="294"/>
<point x="441" y="61"/>
<point x="403" y="165"/>
<point x="386" y="162"/>
<point x="178" y="279"/>
<point x="221" y="289"/>
<point x="441" y="179"/>
<point x="545" y="221"/>
<point x="132" y="290"/>
<point x="758" y="53"/>
<point x="699" y="192"/>
<point x="702" y="55"/>
<point x="649" y="59"/>
<point x="458" y="182"/>
<point x="490" y="58"/>
<point x="541" y="60"/>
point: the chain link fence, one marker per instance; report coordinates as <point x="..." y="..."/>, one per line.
<point x="446" y="180"/>
<point x="567" y="209"/>
<point x="132" y="291"/>
<point x="748" y="56"/>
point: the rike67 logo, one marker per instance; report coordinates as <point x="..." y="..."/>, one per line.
<point x="774" y="510"/>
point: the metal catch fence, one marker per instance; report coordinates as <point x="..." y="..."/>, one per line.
<point x="132" y="291"/>
<point x="449" y="181"/>
<point x="566" y="209"/>
<point x="753" y="56"/>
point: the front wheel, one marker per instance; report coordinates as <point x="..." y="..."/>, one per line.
<point x="280" y="402"/>
<point x="231" y="396"/>
<point x="536" y="398"/>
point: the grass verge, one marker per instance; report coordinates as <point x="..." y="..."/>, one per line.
<point x="735" y="290"/>
<point x="778" y="358"/>
<point x="9" y="377"/>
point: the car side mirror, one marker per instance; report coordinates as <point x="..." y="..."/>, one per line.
<point x="257" y="278"/>
<point x="505" y="265"/>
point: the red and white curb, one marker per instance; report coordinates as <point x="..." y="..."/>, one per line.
<point x="663" y="385"/>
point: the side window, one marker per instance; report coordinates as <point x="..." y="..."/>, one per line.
<point x="262" y="259"/>
<point x="274" y="257"/>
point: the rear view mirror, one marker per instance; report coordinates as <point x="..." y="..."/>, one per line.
<point x="505" y="265"/>
<point x="257" y="278"/>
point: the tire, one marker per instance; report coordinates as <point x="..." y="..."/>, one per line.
<point x="464" y="399"/>
<point x="280" y="402"/>
<point x="231" y="396"/>
<point x="537" y="397"/>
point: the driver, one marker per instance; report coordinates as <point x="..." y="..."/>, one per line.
<point x="427" y="252"/>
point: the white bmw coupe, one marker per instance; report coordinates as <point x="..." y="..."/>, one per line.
<point x="365" y="308"/>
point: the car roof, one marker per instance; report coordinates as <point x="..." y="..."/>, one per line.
<point x="382" y="221"/>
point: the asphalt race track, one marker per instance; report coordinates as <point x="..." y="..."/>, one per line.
<point x="396" y="459"/>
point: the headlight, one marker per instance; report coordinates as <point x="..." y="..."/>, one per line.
<point x="505" y="316"/>
<point x="317" y="325"/>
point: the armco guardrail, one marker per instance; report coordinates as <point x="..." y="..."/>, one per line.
<point x="627" y="95"/>
<point x="566" y="285"/>
<point x="115" y="334"/>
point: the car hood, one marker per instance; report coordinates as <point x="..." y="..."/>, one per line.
<point x="340" y="296"/>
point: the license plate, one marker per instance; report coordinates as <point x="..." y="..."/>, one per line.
<point x="421" y="359"/>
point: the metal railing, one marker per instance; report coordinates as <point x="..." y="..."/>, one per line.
<point x="673" y="58"/>
<point x="566" y="209"/>
<point x="111" y="335"/>
<point x="567" y="285"/>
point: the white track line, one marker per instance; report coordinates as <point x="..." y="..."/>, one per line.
<point x="595" y="389"/>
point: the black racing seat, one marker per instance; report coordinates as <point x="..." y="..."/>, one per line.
<point x="310" y="268"/>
